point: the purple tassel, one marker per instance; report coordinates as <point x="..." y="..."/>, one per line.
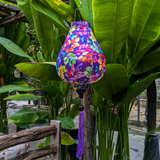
<point x="80" y="135"/>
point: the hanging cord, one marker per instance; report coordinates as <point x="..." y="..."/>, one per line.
<point x="79" y="9"/>
<point x="80" y="132"/>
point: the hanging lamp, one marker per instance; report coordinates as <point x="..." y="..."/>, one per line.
<point x="80" y="62"/>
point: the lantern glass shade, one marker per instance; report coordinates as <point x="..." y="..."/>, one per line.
<point x="81" y="60"/>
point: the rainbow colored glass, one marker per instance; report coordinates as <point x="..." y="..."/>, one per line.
<point x="81" y="60"/>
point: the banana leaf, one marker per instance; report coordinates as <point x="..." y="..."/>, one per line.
<point x="135" y="89"/>
<point x="111" y="21"/>
<point x="24" y="5"/>
<point x="44" y="29"/>
<point x="12" y="87"/>
<point x="50" y="13"/>
<point x="114" y="80"/>
<point x="64" y="10"/>
<point x="148" y="62"/>
<point x="135" y="60"/>
<point x="27" y="116"/>
<point x="23" y="97"/>
<point x="13" y="48"/>
<point x="42" y="71"/>
<point x="144" y="25"/>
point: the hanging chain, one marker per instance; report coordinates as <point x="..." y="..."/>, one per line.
<point x="80" y="5"/>
<point x="79" y="8"/>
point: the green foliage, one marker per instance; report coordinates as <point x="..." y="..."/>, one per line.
<point x="135" y="89"/>
<point x="66" y="122"/>
<point x="10" y="37"/>
<point x="127" y="36"/>
<point x="114" y="80"/>
<point x="144" y="25"/>
<point x="66" y="139"/>
<point x="148" y="62"/>
<point x="75" y="101"/>
<point x="64" y="10"/>
<point x="50" y="90"/>
<point x="25" y="6"/>
<point x="13" y="48"/>
<point x="43" y="71"/>
<point x="111" y="25"/>
<point x="27" y="116"/>
<point x="23" y="97"/>
<point x="140" y="54"/>
<point x="22" y="125"/>
<point x="10" y="88"/>
<point x="74" y="111"/>
<point x="44" y="29"/>
<point x="58" y="21"/>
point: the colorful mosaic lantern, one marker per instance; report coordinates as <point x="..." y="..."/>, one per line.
<point x="80" y="62"/>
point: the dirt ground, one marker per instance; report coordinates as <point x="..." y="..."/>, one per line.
<point x="134" y="111"/>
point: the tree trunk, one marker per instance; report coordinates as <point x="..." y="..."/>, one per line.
<point x="89" y="126"/>
<point x="152" y="106"/>
<point x="151" y="145"/>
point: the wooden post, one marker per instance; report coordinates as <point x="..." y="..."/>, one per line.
<point x="151" y="144"/>
<point x="89" y="126"/>
<point x="56" y="139"/>
<point x="152" y="106"/>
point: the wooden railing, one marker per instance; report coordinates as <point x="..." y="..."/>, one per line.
<point x="28" y="135"/>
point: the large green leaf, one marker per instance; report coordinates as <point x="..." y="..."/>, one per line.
<point x="13" y="48"/>
<point x="27" y="116"/>
<point x="148" y="62"/>
<point x="42" y="71"/>
<point x="74" y="111"/>
<point x="20" y="82"/>
<point x="75" y="101"/>
<point x="22" y="125"/>
<point x="66" y="139"/>
<point x="64" y="10"/>
<point x="86" y="13"/>
<point x="44" y="29"/>
<point x="140" y="54"/>
<point x="10" y="88"/>
<point x="24" y="5"/>
<point x="20" y="37"/>
<point x="67" y="122"/>
<point x="64" y="87"/>
<point x="40" y="57"/>
<point x="96" y="99"/>
<point x="50" y="13"/>
<point x="114" y="80"/>
<point x="135" y="89"/>
<point x="72" y="3"/>
<point x="111" y="21"/>
<point x="50" y="90"/>
<point x="27" y="96"/>
<point x="144" y="25"/>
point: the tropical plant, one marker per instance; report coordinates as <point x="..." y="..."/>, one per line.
<point x="128" y="33"/>
<point x="17" y="34"/>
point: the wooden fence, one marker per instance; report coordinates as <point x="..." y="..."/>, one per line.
<point x="54" y="149"/>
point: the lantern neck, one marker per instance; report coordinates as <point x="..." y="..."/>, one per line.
<point x="80" y="92"/>
<point x="80" y="23"/>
